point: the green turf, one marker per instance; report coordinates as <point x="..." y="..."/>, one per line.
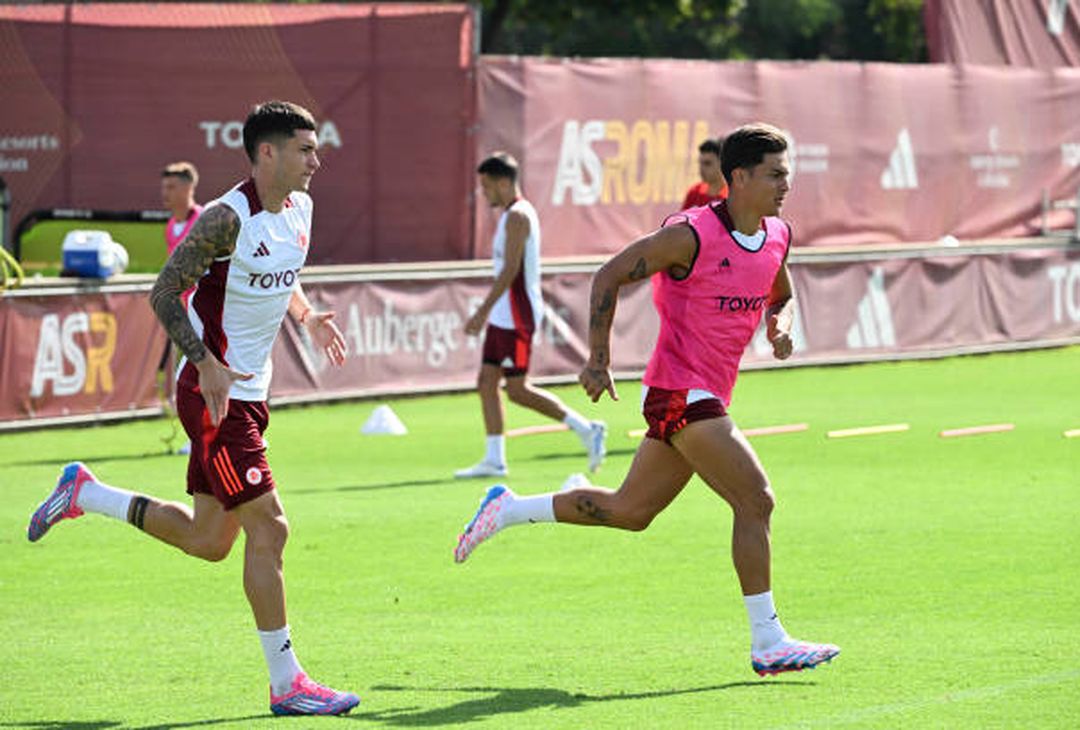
<point x="948" y="570"/>
<point x="145" y="244"/>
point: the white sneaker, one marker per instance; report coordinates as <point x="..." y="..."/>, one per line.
<point x="596" y="445"/>
<point x="575" y="481"/>
<point x="791" y="655"/>
<point x="185" y="449"/>
<point x="483" y="469"/>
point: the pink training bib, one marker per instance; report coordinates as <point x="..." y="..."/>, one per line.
<point x="708" y="318"/>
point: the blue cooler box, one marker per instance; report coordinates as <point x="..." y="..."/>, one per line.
<point x="92" y="254"/>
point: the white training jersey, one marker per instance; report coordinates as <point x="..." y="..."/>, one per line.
<point x="238" y="305"/>
<point x="521" y="306"/>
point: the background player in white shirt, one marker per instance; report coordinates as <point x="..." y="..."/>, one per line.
<point x="512" y="311"/>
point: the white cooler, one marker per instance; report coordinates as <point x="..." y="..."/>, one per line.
<point x="92" y="254"/>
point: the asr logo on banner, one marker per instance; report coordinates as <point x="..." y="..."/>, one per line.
<point x="61" y="362"/>
<point x="613" y="161"/>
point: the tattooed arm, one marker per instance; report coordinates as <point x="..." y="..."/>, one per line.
<point x="213" y="236"/>
<point x="673" y="249"/>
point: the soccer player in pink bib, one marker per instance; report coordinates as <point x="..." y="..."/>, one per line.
<point x="716" y="270"/>
<point x="243" y="255"/>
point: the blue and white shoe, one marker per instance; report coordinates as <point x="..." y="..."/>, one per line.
<point x="596" y="444"/>
<point x="62" y="503"/>
<point x="485" y="523"/>
<point x="791" y="655"/>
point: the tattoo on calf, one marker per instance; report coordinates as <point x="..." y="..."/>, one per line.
<point x="588" y="508"/>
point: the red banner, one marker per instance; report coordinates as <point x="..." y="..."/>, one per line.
<point x="67" y="355"/>
<point x="1043" y="33"/>
<point x="880" y="152"/>
<point x="96" y="98"/>
<point x="406" y="336"/>
<point x="94" y="353"/>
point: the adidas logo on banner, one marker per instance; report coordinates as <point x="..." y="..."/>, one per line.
<point x="262" y="250"/>
<point x="900" y="174"/>
<point x="873" y="325"/>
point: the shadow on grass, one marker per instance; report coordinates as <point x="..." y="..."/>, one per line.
<point x="105" y="724"/>
<point x="94" y="461"/>
<point x="507" y="701"/>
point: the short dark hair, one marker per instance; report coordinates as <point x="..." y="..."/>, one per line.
<point x="182" y="170"/>
<point x="500" y="164"/>
<point x="274" y="121"/>
<point x="747" y="146"/>
<point x="710" y="146"/>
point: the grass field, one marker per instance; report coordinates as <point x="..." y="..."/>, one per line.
<point x="145" y="244"/>
<point x="948" y="570"/>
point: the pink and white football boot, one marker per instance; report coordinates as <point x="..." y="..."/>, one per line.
<point x="307" y="697"/>
<point x="485" y="523"/>
<point x="61" y="504"/>
<point x="791" y="655"/>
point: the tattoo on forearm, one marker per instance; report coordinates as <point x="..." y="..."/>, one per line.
<point x="586" y="507"/>
<point x="602" y="311"/>
<point x="213" y="235"/>
<point x="640" y="271"/>
<point x="606" y="302"/>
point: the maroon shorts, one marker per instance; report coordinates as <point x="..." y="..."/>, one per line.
<point x="667" y="412"/>
<point x="229" y="461"/>
<point x="507" y="349"/>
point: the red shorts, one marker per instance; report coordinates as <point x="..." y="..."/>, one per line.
<point x="508" y="349"/>
<point x="229" y="461"/>
<point x="667" y="412"/>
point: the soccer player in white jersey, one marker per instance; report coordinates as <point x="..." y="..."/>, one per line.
<point x="509" y="316"/>
<point x="243" y="255"/>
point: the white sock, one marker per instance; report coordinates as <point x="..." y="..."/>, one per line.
<point x="280" y="659"/>
<point x="577" y="423"/>
<point x="496" y="449"/>
<point x="104" y="500"/>
<point x="765" y="626"/>
<point x="540" y="508"/>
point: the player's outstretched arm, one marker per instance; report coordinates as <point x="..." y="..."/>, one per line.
<point x="320" y="326"/>
<point x="670" y="249"/>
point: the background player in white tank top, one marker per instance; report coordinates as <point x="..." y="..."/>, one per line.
<point x="223" y="408"/>
<point x="512" y="311"/>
